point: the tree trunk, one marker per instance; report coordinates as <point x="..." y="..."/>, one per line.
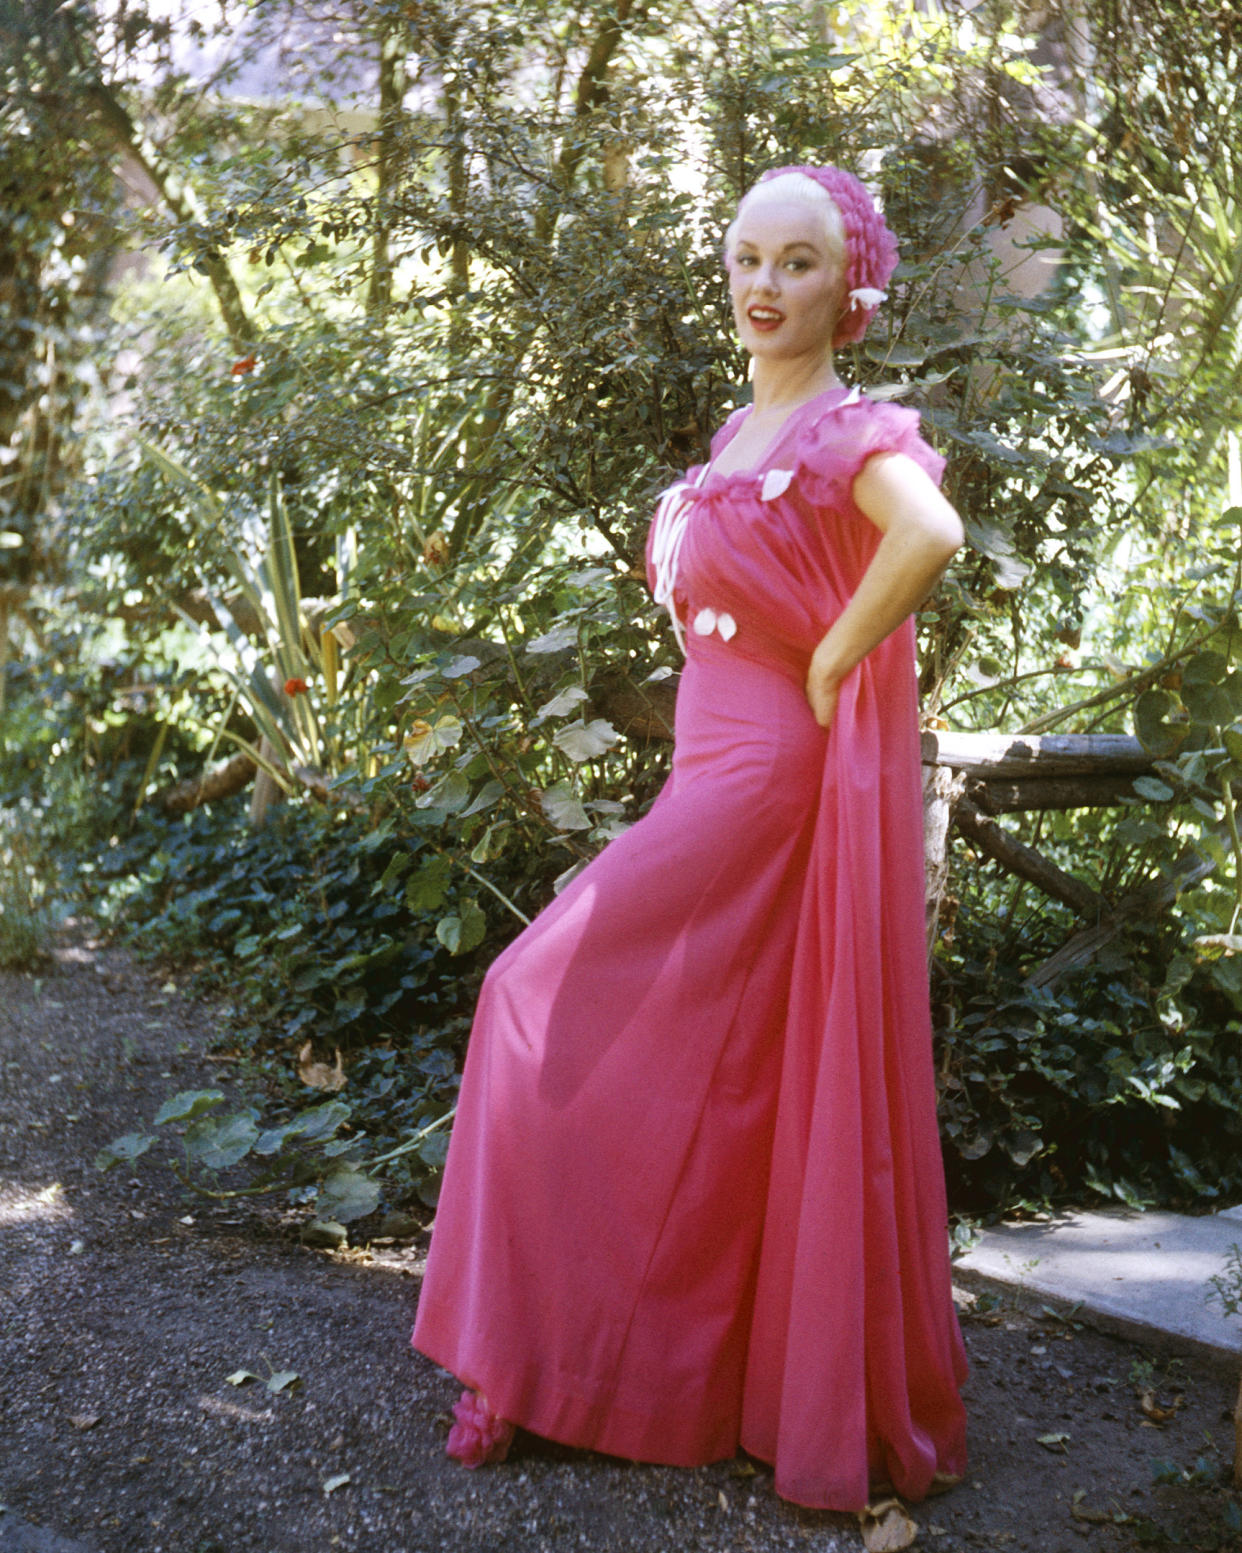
<point x="180" y="199"/>
<point x="1026" y="862"/>
<point x="392" y="84"/>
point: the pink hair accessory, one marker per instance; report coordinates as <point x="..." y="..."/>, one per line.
<point x="870" y="248"/>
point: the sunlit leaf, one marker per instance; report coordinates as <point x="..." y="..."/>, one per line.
<point x="583" y="741"/>
<point x="564" y="701"/>
<point x="557" y="640"/>
<point x="347" y="1195"/>
<point x="564" y="809"/>
<point x="424" y="741"/>
<point x="188" y="1104"/>
<point x="218" y="1143"/>
<point x="121" y="1151"/>
<point x="464" y="931"/>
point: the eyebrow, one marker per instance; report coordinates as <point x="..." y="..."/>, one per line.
<point x="745" y="242"/>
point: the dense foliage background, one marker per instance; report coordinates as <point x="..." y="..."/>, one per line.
<point x="344" y="348"/>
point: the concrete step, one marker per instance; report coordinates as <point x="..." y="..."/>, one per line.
<point x="1143" y="1276"/>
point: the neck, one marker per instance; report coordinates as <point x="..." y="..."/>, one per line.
<point x="783" y="385"/>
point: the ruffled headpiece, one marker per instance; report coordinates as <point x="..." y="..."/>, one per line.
<point x="870" y="248"/>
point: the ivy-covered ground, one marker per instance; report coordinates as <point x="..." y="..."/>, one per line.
<point x="127" y="1314"/>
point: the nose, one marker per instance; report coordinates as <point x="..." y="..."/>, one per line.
<point x="765" y="278"/>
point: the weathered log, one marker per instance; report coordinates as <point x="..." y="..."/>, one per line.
<point x="1151" y="899"/>
<point x="942" y="788"/>
<point x="1025" y="861"/>
<point x="1104" y="790"/>
<point x="992" y="756"/>
<point x="220" y="782"/>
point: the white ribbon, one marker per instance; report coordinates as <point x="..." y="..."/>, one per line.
<point x="668" y="531"/>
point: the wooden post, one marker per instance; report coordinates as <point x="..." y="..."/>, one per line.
<point x="266" y="790"/>
<point x="942" y="787"/>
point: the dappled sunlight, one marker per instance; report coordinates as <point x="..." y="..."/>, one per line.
<point x="28" y="1205"/>
<point x="234" y="1412"/>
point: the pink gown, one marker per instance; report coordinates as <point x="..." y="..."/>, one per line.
<point x="694" y="1197"/>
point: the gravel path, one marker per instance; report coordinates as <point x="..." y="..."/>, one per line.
<point x="124" y="1308"/>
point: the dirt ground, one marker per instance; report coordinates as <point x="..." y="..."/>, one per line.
<point x="123" y="1308"/>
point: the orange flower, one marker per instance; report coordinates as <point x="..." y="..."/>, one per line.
<point x="246" y="364"/>
<point x="295" y="687"/>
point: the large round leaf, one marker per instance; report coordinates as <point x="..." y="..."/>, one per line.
<point x="1160" y="723"/>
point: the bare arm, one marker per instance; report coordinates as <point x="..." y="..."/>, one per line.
<point x="921" y="531"/>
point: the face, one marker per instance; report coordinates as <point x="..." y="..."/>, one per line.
<point x="785" y="283"/>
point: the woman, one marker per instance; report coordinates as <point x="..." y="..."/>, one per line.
<point x="694" y="1197"/>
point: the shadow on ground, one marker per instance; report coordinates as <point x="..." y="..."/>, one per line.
<point x="124" y="1308"/>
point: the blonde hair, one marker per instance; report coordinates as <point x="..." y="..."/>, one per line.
<point x="797" y="187"/>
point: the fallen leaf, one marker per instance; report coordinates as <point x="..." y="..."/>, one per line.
<point x="1053" y="1442"/>
<point x="84" y="1420"/>
<point x="722" y="1499"/>
<point x="1158" y="1412"/>
<point x="330" y="1485"/>
<point x="282" y="1380"/>
<point x="318" y="1075"/>
<point x="886" y="1527"/>
<point x="240" y="1377"/>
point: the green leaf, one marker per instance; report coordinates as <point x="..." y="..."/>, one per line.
<point x="1208" y="704"/>
<point x="1151" y="787"/>
<point x="398" y="865"/>
<point x="425" y="741"/>
<point x="282" y="1380"/>
<point x="451" y="792"/>
<point x="1211" y="946"/>
<point x="463" y="932"/>
<point x="121" y="1151"/>
<point x="564" y="809"/>
<point x="320" y="1121"/>
<point x="1205" y="668"/>
<point x="240" y="1377"/>
<point x="561" y="703"/>
<point x="425" y="889"/>
<point x="347" y="1194"/>
<point x="433" y="1150"/>
<point x="1160" y="723"/>
<point x="583" y="741"/>
<point x="560" y="639"/>
<point x="1022" y="1146"/>
<point x="188" y="1104"/>
<point x="460" y="666"/>
<point x="219" y="1143"/>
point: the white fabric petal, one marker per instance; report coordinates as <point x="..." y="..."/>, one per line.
<point x="775" y="483"/>
<point x="868" y="296"/>
<point x="705" y="622"/>
<point x="727" y="627"/>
